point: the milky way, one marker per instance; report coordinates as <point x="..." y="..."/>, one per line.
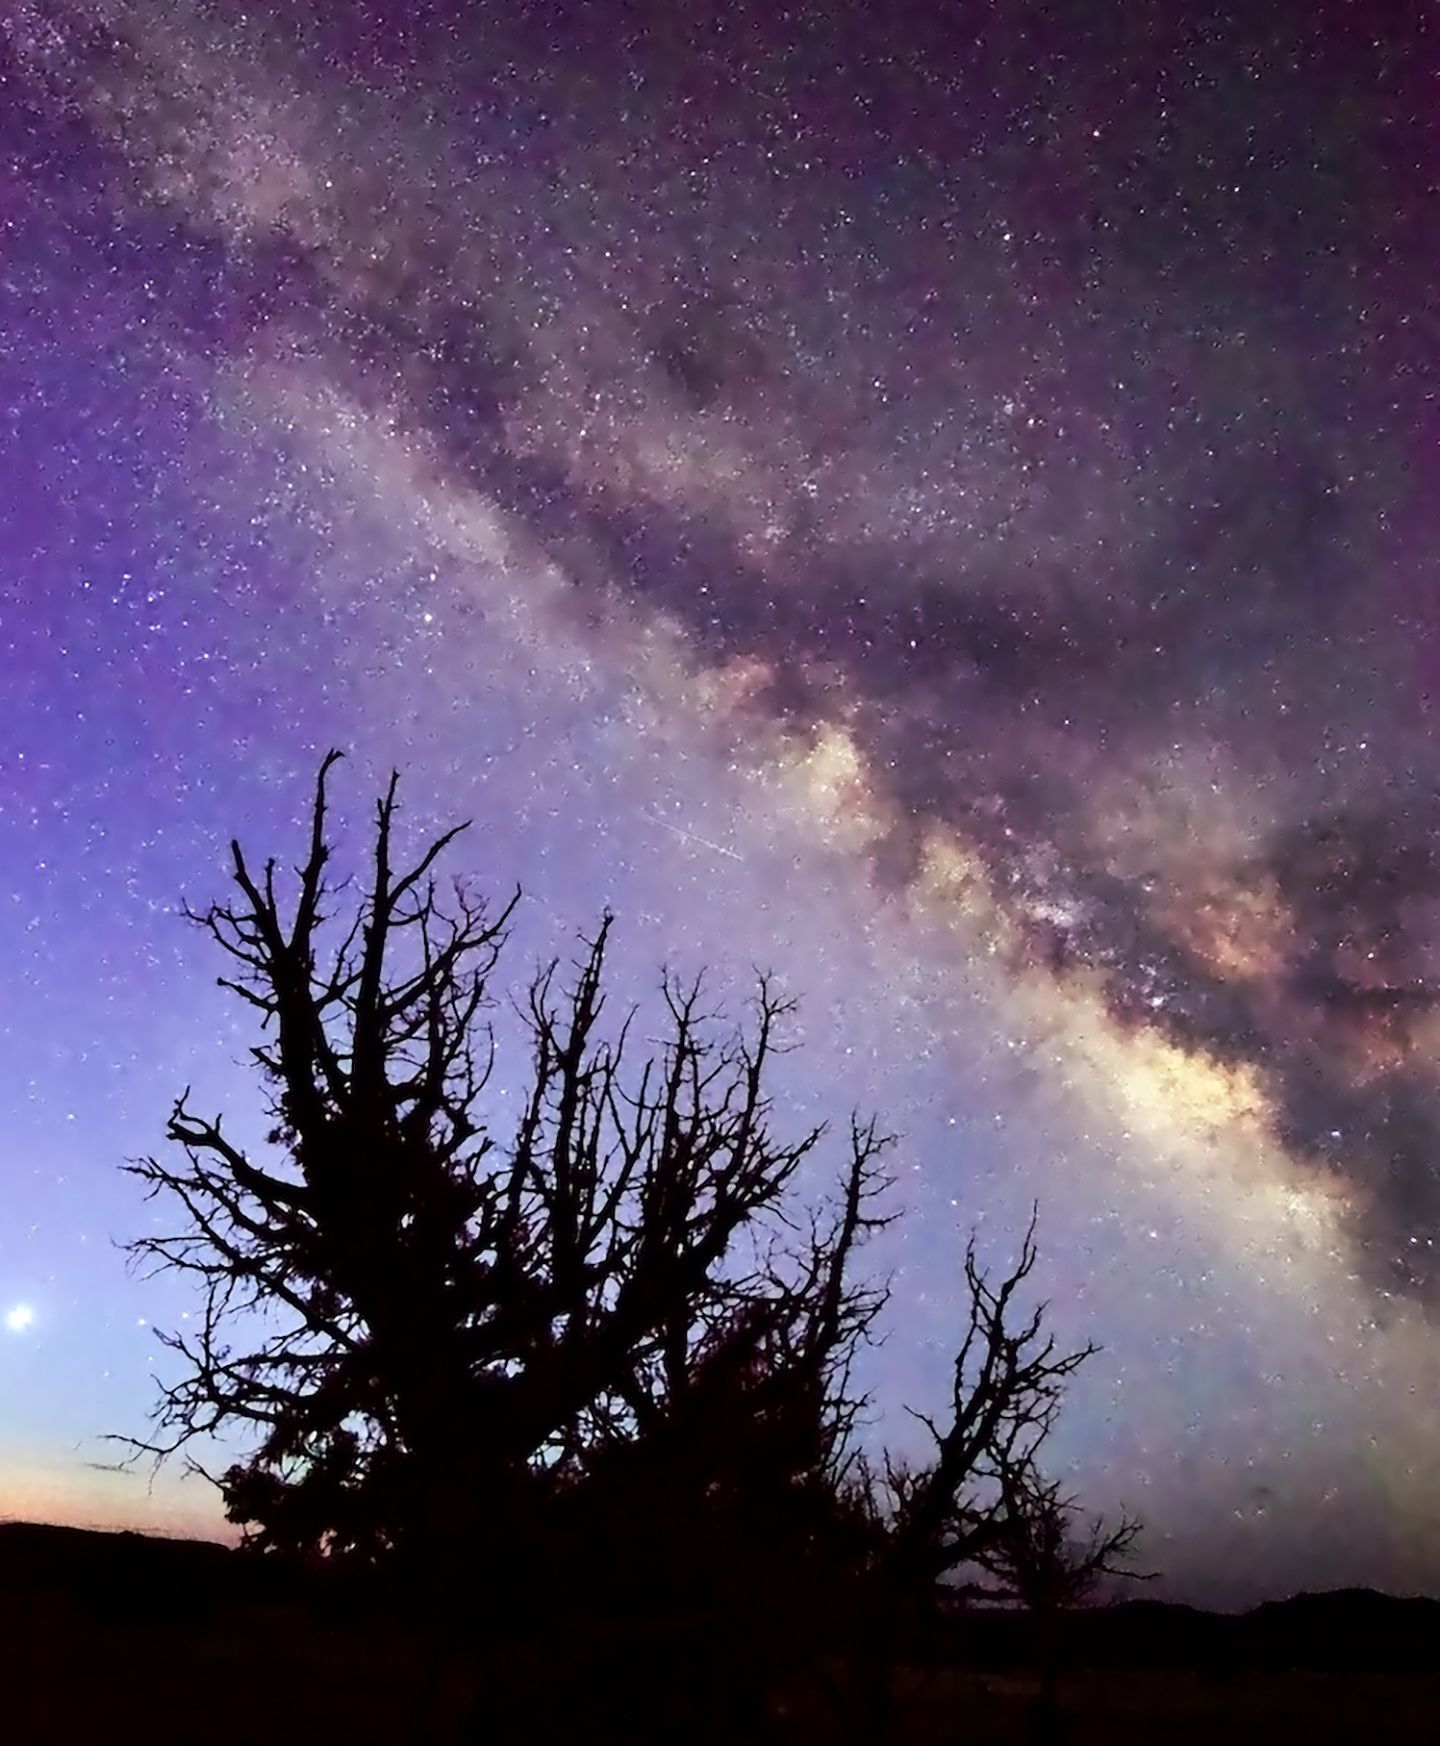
<point x="931" y="502"/>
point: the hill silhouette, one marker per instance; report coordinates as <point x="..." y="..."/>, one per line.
<point x="154" y="1581"/>
<point x="96" y="1624"/>
<point x="1351" y="1629"/>
<point x="140" y="1578"/>
<point x="147" y="1578"/>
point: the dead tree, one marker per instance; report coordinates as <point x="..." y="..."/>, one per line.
<point x="1048" y="1559"/>
<point x="600" y="1358"/>
<point x="979" y="1519"/>
<point x="434" y="1331"/>
<point x="980" y="1508"/>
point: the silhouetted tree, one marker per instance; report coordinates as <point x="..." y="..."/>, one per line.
<point x="981" y="1507"/>
<point x="978" y="1519"/>
<point x="441" y="1318"/>
<point x="1048" y="1559"/>
<point x="600" y="1362"/>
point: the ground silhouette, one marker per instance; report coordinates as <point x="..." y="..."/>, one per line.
<point x="122" y="1637"/>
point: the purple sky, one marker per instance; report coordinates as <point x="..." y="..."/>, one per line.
<point x="931" y="501"/>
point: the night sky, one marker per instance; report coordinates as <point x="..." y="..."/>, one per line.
<point x="934" y="500"/>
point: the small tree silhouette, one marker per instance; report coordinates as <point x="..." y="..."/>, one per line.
<point x="977" y="1520"/>
<point x="602" y="1363"/>
<point x="981" y="1506"/>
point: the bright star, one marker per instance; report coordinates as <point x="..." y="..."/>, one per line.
<point x="19" y="1318"/>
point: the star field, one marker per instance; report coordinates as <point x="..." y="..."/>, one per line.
<point x="930" y="500"/>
